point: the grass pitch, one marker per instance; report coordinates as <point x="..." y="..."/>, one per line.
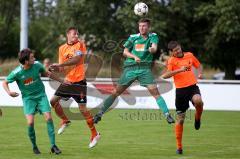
<point x="126" y="134"/>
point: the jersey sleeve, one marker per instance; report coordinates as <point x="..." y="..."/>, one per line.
<point x="195" y="61"/>
<point x="154" y="39"/>
<point x="129" y="43"/>
<point x="11" y="77"/>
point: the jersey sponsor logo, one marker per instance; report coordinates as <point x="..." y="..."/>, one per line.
<point x="139" y="47"/>
<point x="28" y="81"/>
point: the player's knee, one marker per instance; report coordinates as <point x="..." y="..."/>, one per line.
<point x="198" y="103"/>
<point x="116" y="93"/>
<point x="180" y="121"/>
<point x="156" y="96"/>
<point x="53" y="103"/>
<point x="89" y="121"/>
<point x="30" y="123"/>
<point x="82" y="111"/>
<point x="49" y="119"/>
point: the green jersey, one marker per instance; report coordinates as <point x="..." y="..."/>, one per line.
<point x="28" y="81"/>
<point x="139" y="46"/>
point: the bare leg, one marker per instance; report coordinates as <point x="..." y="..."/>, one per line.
<point x="198" y="104"/>
<point x="109" y="101"/>
<point x="58" y="109"/>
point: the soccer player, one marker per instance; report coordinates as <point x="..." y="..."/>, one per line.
<point x="27" y="76"/>
<point x="71" y="61"/>
<point x="179" y="66"/>
<point x="139" y="50"/>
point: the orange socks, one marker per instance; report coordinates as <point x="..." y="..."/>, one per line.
<point x="198" y="113"/>
<point x="178" y="133"/>
<point x="60" y="113"/>
<point x="89" y="119"/>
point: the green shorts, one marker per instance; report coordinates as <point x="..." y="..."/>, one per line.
<point x="142" y="74"/>
<point x="34" y="105"/>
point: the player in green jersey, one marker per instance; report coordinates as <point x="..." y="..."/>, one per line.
<point x="27" y="76"/>
<point x="138" y="50"/>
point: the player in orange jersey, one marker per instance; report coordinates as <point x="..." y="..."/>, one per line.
<point x="179" y="66"/>
<point x="71" y="61"/>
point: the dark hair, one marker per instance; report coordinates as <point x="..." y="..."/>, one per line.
<point x="71" y="28"/>
<point x="24" y="55"/>
<point x="144" y="20"/>
<point x="172" y="45"/>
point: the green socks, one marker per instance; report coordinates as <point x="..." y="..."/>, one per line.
<point x="162" y="105"/>
<point x="32" y="136"/>
<point x="51" y="134"/>
<point x="107" y="103"/>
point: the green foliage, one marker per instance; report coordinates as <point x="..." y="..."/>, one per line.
<point x="208" y="28"/>
<point x="223" y="36"/>
<point x="9" y="27"/>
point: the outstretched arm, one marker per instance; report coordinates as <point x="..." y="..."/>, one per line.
<point x="55" y="77"/>
<point x="6" y="88"/>
<point x="169" y="74"/>
<point x="73" y="61"/>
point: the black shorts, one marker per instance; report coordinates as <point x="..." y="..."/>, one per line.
<point x="183" y="96"/>
<point x="77" y="90"/>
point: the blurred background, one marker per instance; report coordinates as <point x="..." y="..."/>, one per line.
<point x="208" y="28"/>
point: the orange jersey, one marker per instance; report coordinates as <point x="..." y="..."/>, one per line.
<point x="187" y="78"/>
<point x="74" y="73"/>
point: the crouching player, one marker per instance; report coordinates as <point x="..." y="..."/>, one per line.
<point x="180" y="67"/>
<point x="27" y="76"/>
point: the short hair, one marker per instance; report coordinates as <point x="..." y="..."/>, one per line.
<point x="71" y="28"/>
<point x="24" y="55"/>
<point x="144" y="20"/>
<point x="172" y="45"/>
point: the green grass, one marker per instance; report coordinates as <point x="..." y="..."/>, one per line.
<point x="126" y="134"/>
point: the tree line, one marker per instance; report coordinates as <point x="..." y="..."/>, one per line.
<point x="208" y="28"/>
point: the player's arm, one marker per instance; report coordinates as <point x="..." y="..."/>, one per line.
<point x="198" y="66"/>
<point x="199" y="69"/>
<point x="6" y="88"/>
<point x="154" y="43"/>
<point x="170" y="73"/>
<point x="47" y="73"/>
<point x="52" y="76"/>
<point x="153" y="48"/>
<point x="128" y="54"/>
<point x="73" y="61"/>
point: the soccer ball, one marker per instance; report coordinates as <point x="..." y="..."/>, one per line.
<point x="140" y="9"/>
